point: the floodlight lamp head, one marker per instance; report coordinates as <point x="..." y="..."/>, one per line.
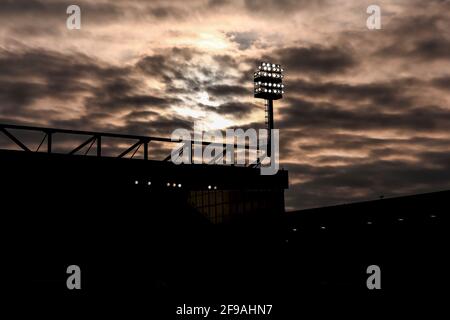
<point x="268" y="81"/>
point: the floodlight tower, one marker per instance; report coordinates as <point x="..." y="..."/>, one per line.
<point x="269" y="85"/>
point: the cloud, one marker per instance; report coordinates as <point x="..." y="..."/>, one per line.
<point x="365" y="112"/>
<point x="218" y="3"/>
<point x="418" y="36"/>
<point x="53" y="10"/>
<point x="316" y="59"/>
<point x="175" y="66"/>
<point x="228" y="90"/>
<point x="244" y="39"/>
<point x="392" y="93"/>
<point x="330" y="185"/>
<point x="307" y="114"/>
<point x="236" y="109"/>
<point x="95" y="92"/>
<point x="278" y="7"/>
<point x="165" y="12"/>
<point x="442" y="83"/>
<point x="426" y="49"/>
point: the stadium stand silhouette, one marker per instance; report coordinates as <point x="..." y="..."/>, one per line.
<point x="140" y="228"/>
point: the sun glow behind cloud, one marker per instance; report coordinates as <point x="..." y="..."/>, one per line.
<point x="209" y="41"/>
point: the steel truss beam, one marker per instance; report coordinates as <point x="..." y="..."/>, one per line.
<point x="14" y="139"/>
<point x="97" y="137"/>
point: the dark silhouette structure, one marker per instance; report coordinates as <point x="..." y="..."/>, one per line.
<point x="268" y="83"/>
<point x="128" y="223"/>
<point x="148" y="231"/>
<point x="221" y="193"/>
<point x="405" y="236"/>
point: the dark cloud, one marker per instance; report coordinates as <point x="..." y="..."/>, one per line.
<point x="226" y="61"/>
<point x="33" y="76"/>
<point x="251" y="125"/>
<point x="26" y="30"/>
<point x="218" y="3"/>
<point x="139" y="115"/>
<point x="181" y="74"/>
<point x="38" y="74"/>
<point x="419" y="34"/>
<point x="422" y="49"/>
<point x="319" y="116"/>
<point x="330" y="140"/>
<point x="442" y="82"/>
<point x="227" y="66"/>
<point x="53" y="11"/>
<point x="236" y="109"/>
<point x="17" y="94"/>
<point x="244" y="39"/>
<point x="328" y="185"/>
<point x="53" y="65"/>
<point x="163" y="126"/>
<point x="174" y="66"/>
<point x="277" y="7"/>
<point x="315" y="59"/>
<point x="22" y="7"/>
<point x="112" y="102"/>
<point x="165" y="12"/>
<point x="432" y="49"/>
<point x="228" y="90"/>
<point x="119" y="93"/>
<point x="380" y="94"/>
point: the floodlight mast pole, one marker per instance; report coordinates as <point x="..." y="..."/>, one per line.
<point x="269" y="103"/>
<point x="268" y="81"/>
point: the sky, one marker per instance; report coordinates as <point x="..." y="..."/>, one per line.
<point x="366" y="112"/>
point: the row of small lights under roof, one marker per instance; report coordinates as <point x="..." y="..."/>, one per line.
<point x="369" y="222"/>
<point x="174" y="185"/>
<point x="269" y="90"/>
<point x="149" y="183"/>
<point x="433" y="216"/>
<point x="266" y="74"/>
<point x="179" y="185"/>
